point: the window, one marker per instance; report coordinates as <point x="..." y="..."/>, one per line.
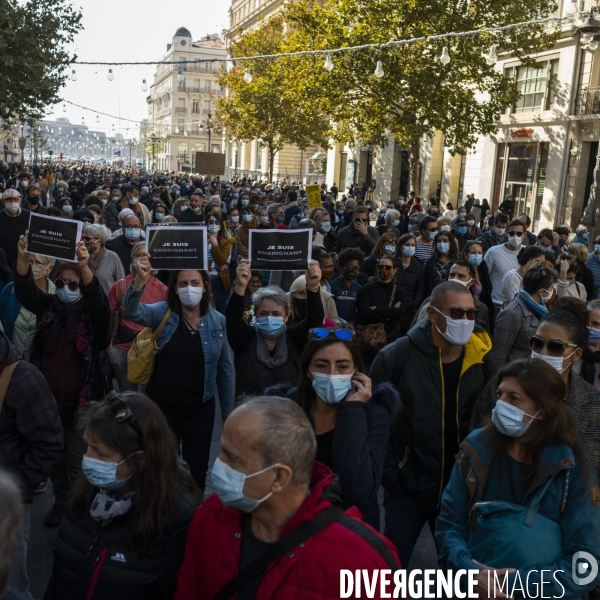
<point x="207" y="105"/>
<point x="196" y="106"/>
<point x="537" y="85"/>
<point x="197" y="84"/>
<point x="181" y="102"/>
<point x="208" y="85"/>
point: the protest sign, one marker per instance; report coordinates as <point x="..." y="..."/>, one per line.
<point x="53" y="236"/>
<point x="280" y="249"/>
<point x="210" y="163"/>
<point x="313" y="196"/>
<point x="177" y="248"/>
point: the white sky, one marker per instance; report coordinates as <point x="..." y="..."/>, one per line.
<point x="124" y="31"/>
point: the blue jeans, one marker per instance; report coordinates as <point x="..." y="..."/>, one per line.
<point x="405" y="516"/>
<point x="219" y="294"/>
<point x="18" y="578"/>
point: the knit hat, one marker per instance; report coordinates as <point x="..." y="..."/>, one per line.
<point x="10" y="193"/>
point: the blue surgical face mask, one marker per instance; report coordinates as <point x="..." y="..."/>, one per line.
<point x="326" y="226"/>
<point x="443" y="247"/>
<point x="396" y="223"/>
<point x="214" y="228"/>
<point x="408" y="250"/>
<point x="332" y="388"/>
<point x="245" y="202"/>
<point x="196" y="209"/>
<point x="68" y="296"/>
<point x="270" y="327"/>
<point x="410" y="228"/>
<point x="229" y="486"/>
<point x="508" y="419"/>
<point x="475" y="259"/>
<point x="131" y="233"/>
<point x="462" y="230"/>
<point x="247" y="218"/>
<point x="462" y="215"/>
<point x="103" y="474"/>
<point x="159" y="216"/>
<point x="584" y="236"/>
<point x="67" y="208"/>
<point x="390" y="250"/>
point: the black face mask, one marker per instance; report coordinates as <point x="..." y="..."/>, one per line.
<point x="596" y="356"/>
<point x="300" y="306"/>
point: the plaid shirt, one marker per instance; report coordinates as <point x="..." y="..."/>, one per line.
<point x="513" y="327"/>
<point x="31" y="434"/>
<point x="583" y="400"/>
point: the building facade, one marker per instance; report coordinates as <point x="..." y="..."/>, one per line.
<point x="181" y="103"/>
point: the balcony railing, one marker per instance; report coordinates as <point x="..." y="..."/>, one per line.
<point x="181" y="110"/>
<point x="195" y="111"/>
<point x="206" y="111"/>
<point x="589" y="101"/>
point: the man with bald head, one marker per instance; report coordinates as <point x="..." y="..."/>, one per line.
<point x="268" y="487"/>
<point x="440" y="367"/>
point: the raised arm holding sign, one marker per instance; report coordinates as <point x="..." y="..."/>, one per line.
<point x="54" y="237"/>
<point x="177" y="248"/>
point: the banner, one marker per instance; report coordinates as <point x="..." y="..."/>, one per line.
<point x="280" y="249"/>
<point x="313" y="196"/>
<point x="177" y="248"/>
<point x="210" y="163"/>
<point x="53" y="237"/>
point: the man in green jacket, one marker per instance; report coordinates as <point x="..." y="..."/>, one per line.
<point x="440" y="369"/>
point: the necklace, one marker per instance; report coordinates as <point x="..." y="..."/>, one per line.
<point x="191" y="329"/>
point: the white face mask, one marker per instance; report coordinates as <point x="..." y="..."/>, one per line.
<point x="554" y="361"/>
<point x="465" y="283"/>
<point x="11" y="207"/>
<point x="190" y="296"/>
<point x="514" y="240"/>
<point x="133" y="201"/>
<point x="458" y="331"/>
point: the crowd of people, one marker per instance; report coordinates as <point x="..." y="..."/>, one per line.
<point x="447" y="359"/>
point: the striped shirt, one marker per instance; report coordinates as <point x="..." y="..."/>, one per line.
<point x="423" y="252"/>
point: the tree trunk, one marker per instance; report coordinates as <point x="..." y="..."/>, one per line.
<point x="271" y="160"/>
<point x="415" y="154"/>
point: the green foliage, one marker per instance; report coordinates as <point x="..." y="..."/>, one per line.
<point x="35" y="61"/>
<point x="418" y="94"/>
<point x="268" y="108"/>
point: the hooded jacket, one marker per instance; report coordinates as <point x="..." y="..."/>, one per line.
<point x="31" y="434"/>
<point x="311" y="570"/>
<point x="416" y="456"/>
<point x="572" y="500"/>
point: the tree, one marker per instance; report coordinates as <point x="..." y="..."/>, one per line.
<point x="35" y="60"/>
<point x="267" y="108"/>
<point x="418" y="93"/>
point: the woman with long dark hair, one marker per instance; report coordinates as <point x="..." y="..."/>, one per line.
<point x="219" y="254"/>
<point x="385" y="246"/>
<point x="125" y="528"/>
<point x="436" y="269"/>
<point x="522" y="495"/>
<point x="351" y="421"/>
<point x="194" y="363"/>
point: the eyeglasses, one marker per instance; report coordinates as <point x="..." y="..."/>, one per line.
<point x="384" y="267"/>
<point x="555" y="347"/>
<point x="320" y="333"/>
<point x="86" y="238"/>
<point x="430" y="230"/>
<point x="72" y="285"/>
<point x="459" y="313"/>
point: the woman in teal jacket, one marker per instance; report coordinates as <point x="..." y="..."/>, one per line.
<point x="530" y="455"/>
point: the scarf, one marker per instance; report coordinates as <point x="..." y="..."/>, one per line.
<point x="281" y="351"/>
<point x="500" y="240"/>
<point x="61" y="315"/>
<point x="539" y="310"/>
<point x="96" y="258"/>
<point x="106" y="506"/>
<point x="245" y="232"/>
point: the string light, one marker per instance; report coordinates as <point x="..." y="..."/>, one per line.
<point x="247" y="76"/>
<point x="64" y="108"/>
<point x="379" y="72"/>
<point x="144" y="87"/>
<point x="492" y="57"/>
<point x="445" y="57"/>
<point x="180" y="78"/>
<point x="73" y="75"/>
<point x="328" y="66"/>
<point x="593" y="45"/>
<point x="110" y="75"/>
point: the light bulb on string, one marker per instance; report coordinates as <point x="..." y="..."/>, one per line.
<point x="492" y="57"/>
<point x="445" y="57"/>
<point x="177" y="129"/>
<point x="144" y="87"/>
<point x="328" y="66"/>
<point x="593" y="45"/>
<point x="379" y="72"/>
<point x="64" y="108"/>
<point x="73" y="75"/>
<point x="588" y="37"/>
<point x="185" y="132"/>
<point x="97" y="118"/>
<point x="110" y="75"/>
<point x="247" y="76"/>
<point x="180" y="78"/>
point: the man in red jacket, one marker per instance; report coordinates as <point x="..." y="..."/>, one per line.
<point x="268" y="487"/>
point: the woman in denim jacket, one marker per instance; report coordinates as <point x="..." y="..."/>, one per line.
<point x="194" y="363"/>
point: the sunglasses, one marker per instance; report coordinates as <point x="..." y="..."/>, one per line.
<point x="121" y="412"/>
<point x="384" y="267"/>
<point x="72" y="285"/>
<point x="320" y="333"/>
<point x="459" y="313"/>
<point x="555" y="347"/>
<point x="430" y="230"/>
<point x="88" y="239"/>
<point x="353" y="268"/>
<point x="517" y="233"/>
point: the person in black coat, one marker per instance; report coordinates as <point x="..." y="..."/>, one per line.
<point x="123" y="534"/>
<point x="482" y="288"/>
<point x="437" y="267"/>
<point x="381" y="300"/>
<point x="385" y="246"/>
<point x="409" y="276"/>
<point x="268" y="353"/>
<point x="6" y="274"/>
<point x="351" y="422"/>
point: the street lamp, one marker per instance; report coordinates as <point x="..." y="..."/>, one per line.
<point x="209" y="124"/>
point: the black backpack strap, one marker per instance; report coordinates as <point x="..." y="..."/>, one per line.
<point x="282" y="547"/>
<point x="401" y="358"/>
<point x="360" y="529"/>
